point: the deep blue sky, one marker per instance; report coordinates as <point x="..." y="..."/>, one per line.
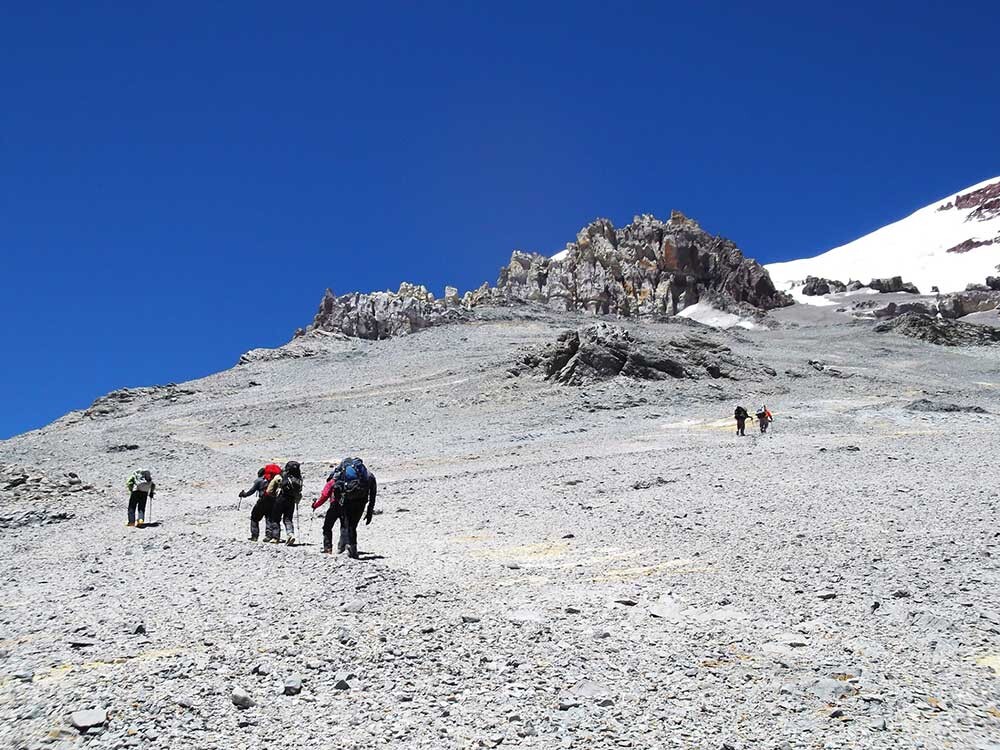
<point x="179" y="183"/>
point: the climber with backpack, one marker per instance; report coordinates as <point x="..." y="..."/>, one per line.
<point x="764" y="418"/>
<point x="140" y="487"/>
<point x="265" y="488"/>
<point x="285" y="501"/>
<point x="742" y="415"/>
<point x="351" y="490"/>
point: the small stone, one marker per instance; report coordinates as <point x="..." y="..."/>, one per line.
<point x="184" y="701"/>
<point x="567" y="703"/>
<point x="25" y="675"/>
<point x="140" y="629"/>
<point x="240" y="698"/>
<point x="293" y="685"/>
<point x="512" y="566"/>
<point x="341" y="685"/>
<point x="471" y="618"/>
<point x="827" y="595"/>
<point x="91" y="717"/>
<point x="355" y="605"/>
<point x="262" y="669"/>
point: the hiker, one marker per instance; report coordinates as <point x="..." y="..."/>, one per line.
<point x="286" y="498"/>
<point x="349" y="488"/>
<point x="741" y="415"/>
<point x="140" y="487"/>
<point x="764" y="418"/>
<point x="262" y="507"/>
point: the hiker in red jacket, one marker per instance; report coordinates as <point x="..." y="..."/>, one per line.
<point x="350" y="488"/>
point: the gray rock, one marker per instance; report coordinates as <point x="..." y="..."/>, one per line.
<point x="293" y="685"/>
<point x="91" y="717"/>
<point x="241" y="698"/>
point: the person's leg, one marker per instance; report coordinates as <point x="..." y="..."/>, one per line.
<point x="274" y="520"/>
<point x="288" y="516"/>
<point x="133" y="499"/>
<point x="354" y="514"/>
<point x="256" y="513"/>
<point x="332" y="513"/>
<point x="141" y="506"/>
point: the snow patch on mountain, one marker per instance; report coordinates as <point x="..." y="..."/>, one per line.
<point x="949" y="244"/>
<point x="703" y="312"/>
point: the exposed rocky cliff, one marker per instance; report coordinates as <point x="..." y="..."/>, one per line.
<point x="647" y="268"/>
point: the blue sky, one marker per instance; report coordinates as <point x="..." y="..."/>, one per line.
<point x="179" y="182"/>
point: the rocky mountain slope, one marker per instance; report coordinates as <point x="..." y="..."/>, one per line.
<point x="600" y="563"/>
<point x="646" y="269"/>
<point x="949" y="244"/>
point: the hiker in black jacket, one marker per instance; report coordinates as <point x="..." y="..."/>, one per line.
<point x="741" y="420"/>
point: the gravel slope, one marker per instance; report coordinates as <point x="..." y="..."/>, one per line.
<point x="554" y="566"/>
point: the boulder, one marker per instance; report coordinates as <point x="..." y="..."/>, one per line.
<point x="960" y="304"/>
<point x="893" y="285"/>
<point x="815" y="286"/>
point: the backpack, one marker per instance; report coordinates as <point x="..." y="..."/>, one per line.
<point x="291" y="482"/>
<point x="142" y="481"/>
<point x="351" y="479"/>
<point x="741" y="413"/>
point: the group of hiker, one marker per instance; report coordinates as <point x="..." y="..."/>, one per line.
<point x="350" y="490"/>
<point x="763" y="415"/>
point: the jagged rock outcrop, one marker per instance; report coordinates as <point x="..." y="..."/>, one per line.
<point x="993" y="282"/>
<point x="893" y="310"/>
<point x="381" y="315"/>
<point x="892" y="285"/>
<point x="649" y="267"/>
<point x="646" y="268"/>
<point x="971" y="301"/>
<point x="815" y="286"/>
<point x="602" y="351"/>
<point x="940" y="331"/>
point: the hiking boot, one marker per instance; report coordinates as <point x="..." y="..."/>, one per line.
<point x="327" y="551"/>
<point x="253" y="539"/>
<point x="341" y="548"/>
<point x="130" y="523"/>
<point x="139" y="523"/>
<point x="352" y="551"/>
<point x="291" y="541"/>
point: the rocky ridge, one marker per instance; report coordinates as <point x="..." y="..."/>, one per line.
<point x="648" y="268"/>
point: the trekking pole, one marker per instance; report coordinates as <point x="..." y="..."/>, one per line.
<point x="150" y="509"/>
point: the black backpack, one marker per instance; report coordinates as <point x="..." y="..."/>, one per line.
<point x="291" y="481"/>
<point x="351" y="479"/>
<point x="741" y="413"/>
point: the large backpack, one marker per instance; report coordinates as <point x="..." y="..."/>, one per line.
<point x="291" y="482"/>
<point x="351" y="479"/>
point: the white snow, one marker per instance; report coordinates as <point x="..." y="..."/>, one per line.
<point x="561" y="255"/>
<point x="711" y="316"/>
<point x="914" y="248"/>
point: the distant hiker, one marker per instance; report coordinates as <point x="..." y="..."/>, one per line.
<point x="262" y="507"/>
<point x="286" y="498"/>
<point x="351" y="488"/>
<point x="741" y="415"/>
<point x="764" y="418"/>
<point x="140" y="487"/>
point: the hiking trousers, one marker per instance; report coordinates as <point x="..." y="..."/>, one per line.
<point x="282" y="509"/>
<point x="741" y="425"/>
<point x="350" y="517"/>
<point x="261" y="509"/>
<point x="137" y="502"/>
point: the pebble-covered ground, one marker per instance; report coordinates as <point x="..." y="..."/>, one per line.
<point x="552" y="567"/>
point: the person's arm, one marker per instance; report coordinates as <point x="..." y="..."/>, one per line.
<point x="130" y="484"/>
<point x="372" y="492"/>
<point x="152" y="489"/>
<point x="324" y="495"/>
